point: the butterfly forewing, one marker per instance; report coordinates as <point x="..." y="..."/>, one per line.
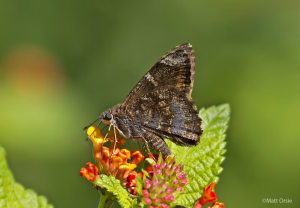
<point x="175" y="69"/>
<point x="160" y="105"/>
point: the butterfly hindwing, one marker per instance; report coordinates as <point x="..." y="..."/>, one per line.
<point x="169" y="114"/>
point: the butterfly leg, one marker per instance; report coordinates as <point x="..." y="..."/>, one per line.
<point x="107" y="132"/>
<point x="115" y="143"/>
<point x="148" y="149"/>
<point x="140" y="147"/>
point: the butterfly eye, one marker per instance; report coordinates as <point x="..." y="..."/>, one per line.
<point x="106" y="115"/>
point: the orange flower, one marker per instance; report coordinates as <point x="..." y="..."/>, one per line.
<point x="124" y="171"/>
<point x="114" y="162"/>
<point x="137" y="157"/>
<point x="90" y="173"/>
<point x="125" y="154"/>
<point x="131" y="184"/>
<point x="111" y="137"/>
<point x="208" y="196"/>
<point x="218" y="205"/>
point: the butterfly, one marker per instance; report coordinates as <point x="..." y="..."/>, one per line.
<point x="160" y="106"/>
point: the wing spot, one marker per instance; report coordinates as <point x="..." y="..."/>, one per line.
<point x="150" y="78"/>
<point x="173" y="59"/>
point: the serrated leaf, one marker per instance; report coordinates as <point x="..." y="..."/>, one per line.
<point x="113" y="186"/>
<point x="202" y="162"/>
<point x="13" y="194"/>
<point x="139" y="184"/>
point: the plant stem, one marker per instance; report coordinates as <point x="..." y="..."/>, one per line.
<point x="103" y="199"/>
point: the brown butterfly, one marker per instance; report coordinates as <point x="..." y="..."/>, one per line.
<point x="160" y="105"/>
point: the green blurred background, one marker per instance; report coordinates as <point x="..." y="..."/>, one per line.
<point x="64" y="62"/>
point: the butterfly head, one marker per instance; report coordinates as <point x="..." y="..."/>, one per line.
<point x="106" y="116"/>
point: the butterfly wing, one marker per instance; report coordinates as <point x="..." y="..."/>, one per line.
<point x="161" y="104"/>
<point x="168" y="113"/>
<point x="175" y="69"/>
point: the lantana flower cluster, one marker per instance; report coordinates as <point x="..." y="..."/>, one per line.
<point x="164" y="178"/>
<point x="112" y="161"/>
<point x="161" y="180"/>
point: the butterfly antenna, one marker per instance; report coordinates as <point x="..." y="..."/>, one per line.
<point x="106" y="126"/>
<point x="87" y="139"/>
<point x="86" y="127"/>
<point x="99" y="124"/>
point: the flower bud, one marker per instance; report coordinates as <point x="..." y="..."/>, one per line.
<point x="165" y="177"/>
<point x="147" y="200"/>
<point x="181" y="175"/>
<point x="164" y="206"/>
<point x="145" y="192"/>
<point x="147" y="183"/>
<point x="183" y="181"/>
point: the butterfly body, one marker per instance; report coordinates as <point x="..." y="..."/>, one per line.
<point x="160" y="105"/>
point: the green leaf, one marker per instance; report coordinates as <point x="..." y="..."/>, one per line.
<point x="139" y="184"/>
<point x="113" y="186"/>
<point x="202" y="162"/>
<point x="13" y="194"/>
<point x="150" y="161"/>
<point x="159" y="158"/>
